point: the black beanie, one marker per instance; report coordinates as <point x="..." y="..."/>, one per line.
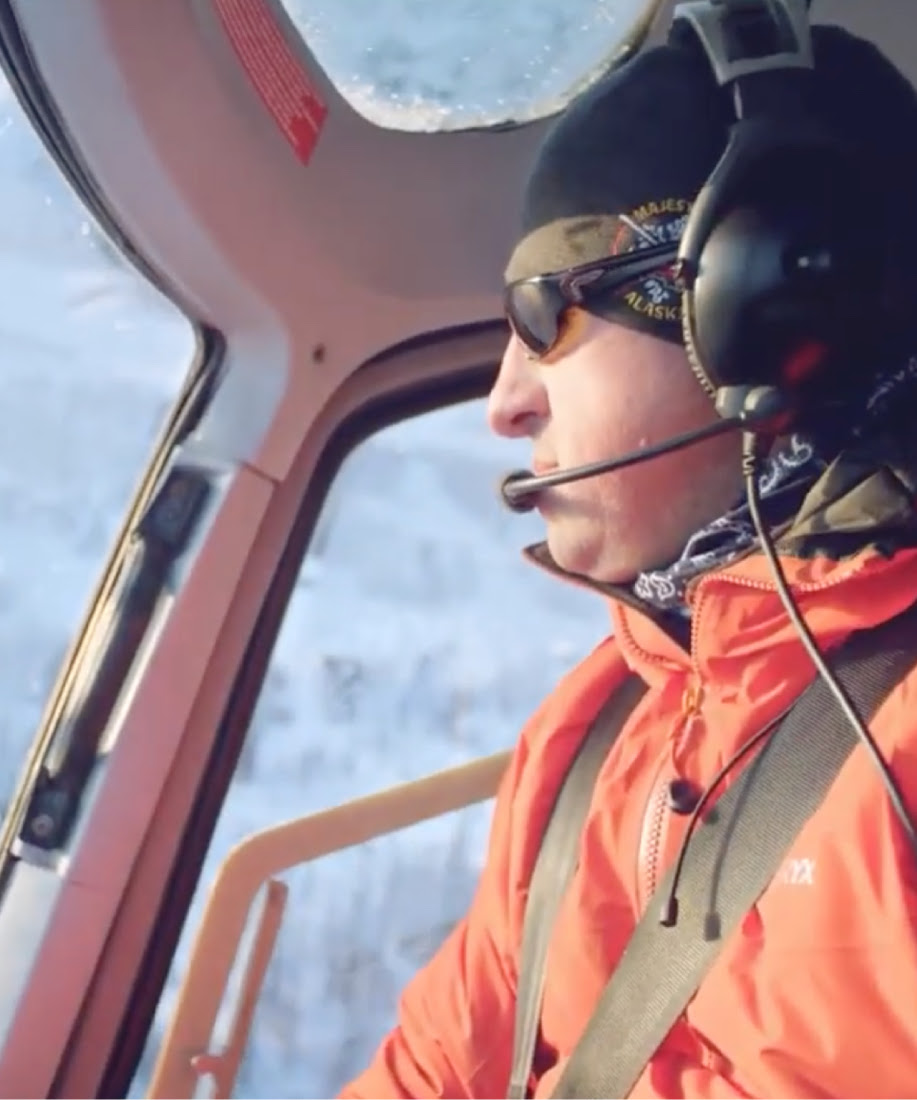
<point x="623" y="163"/>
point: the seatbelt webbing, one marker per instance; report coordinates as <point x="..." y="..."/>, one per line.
<point x="732" y="857"/>
<point x="554" y="868"/>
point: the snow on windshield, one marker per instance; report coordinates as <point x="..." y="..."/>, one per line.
<point x="452" y="64"/>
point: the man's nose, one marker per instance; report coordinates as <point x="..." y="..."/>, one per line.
<point x="518" y="401"/>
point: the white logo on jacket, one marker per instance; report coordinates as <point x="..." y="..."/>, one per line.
<point x="796" y="872"/>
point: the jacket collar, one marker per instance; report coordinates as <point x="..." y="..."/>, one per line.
<point x="855" y="527"/>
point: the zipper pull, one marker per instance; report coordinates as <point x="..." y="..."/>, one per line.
<point x="692" y="699"/>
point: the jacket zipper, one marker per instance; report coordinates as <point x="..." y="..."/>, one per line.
<point x="657" y="807"/>
<point x="692" y="700"/>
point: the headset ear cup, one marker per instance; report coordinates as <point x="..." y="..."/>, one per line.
<point x="688" y="330"/>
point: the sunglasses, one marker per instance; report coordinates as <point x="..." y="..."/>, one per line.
<point x="535" y="307"/>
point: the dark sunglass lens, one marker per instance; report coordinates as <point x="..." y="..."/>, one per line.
<point x="534" y="311"/>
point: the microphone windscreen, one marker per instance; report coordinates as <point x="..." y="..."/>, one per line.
<point x="519" y="500"/>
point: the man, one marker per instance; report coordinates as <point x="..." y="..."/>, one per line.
<point x="815" y="994"/>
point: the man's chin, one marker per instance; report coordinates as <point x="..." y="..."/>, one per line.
<point x="573" y="555"/>
<point x="585" y="558"/>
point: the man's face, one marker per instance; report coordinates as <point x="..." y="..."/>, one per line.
<point x="605" y="390"/>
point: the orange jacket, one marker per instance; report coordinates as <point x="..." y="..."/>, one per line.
<point x="816" y="994"/>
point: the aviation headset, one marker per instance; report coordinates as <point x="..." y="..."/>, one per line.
<point x="783" y="284"/>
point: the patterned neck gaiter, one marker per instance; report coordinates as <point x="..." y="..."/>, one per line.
<point x="784" y="481"/>
<point x="785" y="478"/>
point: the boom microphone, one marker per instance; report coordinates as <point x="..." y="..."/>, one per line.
<point x="519" y="490"/>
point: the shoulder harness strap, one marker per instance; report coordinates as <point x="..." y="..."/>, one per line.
<point x="554" y="868"/>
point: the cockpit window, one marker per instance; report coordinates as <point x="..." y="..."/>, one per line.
<point x="92" y="360"/>
<point x="456" y="64"/>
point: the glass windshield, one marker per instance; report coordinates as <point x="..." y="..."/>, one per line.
<point x="454" y="64"/>
<point x="93" y="359"/>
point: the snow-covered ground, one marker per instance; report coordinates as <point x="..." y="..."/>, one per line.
<point x="91" y="359"/>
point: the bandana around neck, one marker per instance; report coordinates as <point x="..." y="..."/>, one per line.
<point x="785" y="479"/>
<point x="783" y="482"/>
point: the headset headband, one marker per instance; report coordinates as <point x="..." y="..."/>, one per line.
<point x="744" y="38"/>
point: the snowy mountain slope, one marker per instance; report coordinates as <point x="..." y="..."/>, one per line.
<point x="430" y="649"/>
